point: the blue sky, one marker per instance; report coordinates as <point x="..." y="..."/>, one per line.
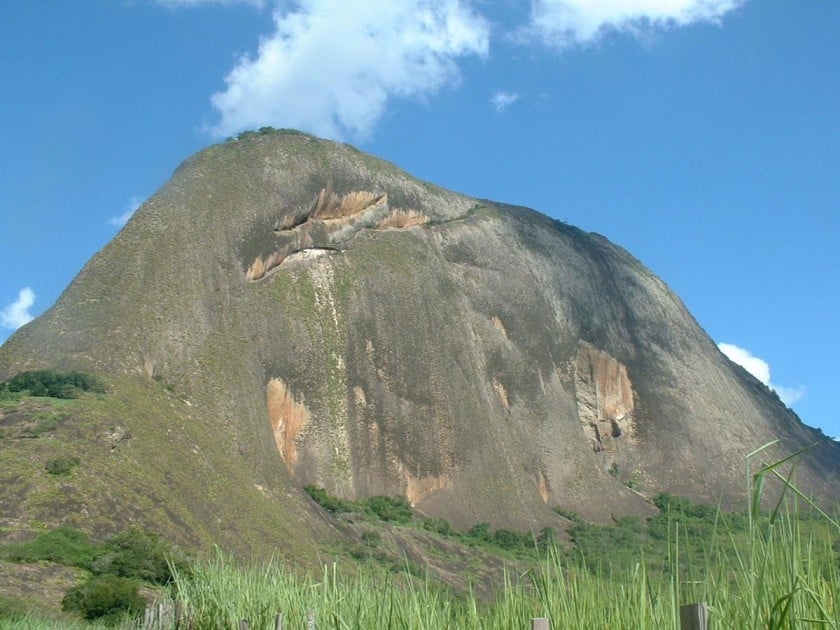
<point x="701" y="135"/>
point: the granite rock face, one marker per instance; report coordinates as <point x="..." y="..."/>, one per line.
<point x="339" y="323"/>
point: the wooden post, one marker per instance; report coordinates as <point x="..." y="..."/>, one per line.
<point x="278" y="622"/>
<point x="163" y="615"/>
<point x="244" y="625"/>
<point x="539" y="623"/>
<point x="310" y="620"/>
<point x="179" y="613"/>
<point x="694" y="617"/>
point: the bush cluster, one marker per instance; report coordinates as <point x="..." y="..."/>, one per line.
<point x="398" y="510"/>
<point x="51" y="383"/>
<point x="507" y="539"/>
<point x="118" y="567"/>
<point x="331" y="504"/>
<point x="438" y="526"/>
<point x="390" y="509"/>
<point x="265" y="131"/>
<point x="107" y="598"/>
<point x="617" y="543"/>
<point x="61" y="466"/>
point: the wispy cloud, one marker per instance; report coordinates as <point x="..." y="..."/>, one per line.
<point x="502" y="100"/>
<point x="331" y="66"/>
<point x="17" y="313"/>
<point x="760" y="369"/>
<point x="561" y="23"/>
<point x="131" y="207"/>
<point x="178" y="4"/>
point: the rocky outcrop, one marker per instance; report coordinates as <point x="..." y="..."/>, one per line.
<point x="346" y="325"/>
<point x="604" y="398"/>
<point x="287" y="417"/>
<point x="329" y="224"/>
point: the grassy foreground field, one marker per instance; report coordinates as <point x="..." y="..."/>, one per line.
<point x="776" y="569"/>
<point x="777" y="577"/>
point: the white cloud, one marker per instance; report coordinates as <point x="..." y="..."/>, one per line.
<point x="121" y="219"/>
<point x="760" y="369"/>
<point x="331" y="66"/>
<point x="502" y="100"/>
<point x="752" y="364"/>
<point x="561" y="23"/>
<point x="17" y="313"/>
<point x="789" y="395"/>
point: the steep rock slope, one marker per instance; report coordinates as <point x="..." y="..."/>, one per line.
<point x="327" y="319"/>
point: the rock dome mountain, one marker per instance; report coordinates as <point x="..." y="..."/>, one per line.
<point x="289" y="311"/>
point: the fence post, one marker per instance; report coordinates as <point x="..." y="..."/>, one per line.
<point x="165" y="614"/>
<point x="179" y="613"/>
<point x="244" y="625"/>
<point x="310" y="620"/>
<point x="694" y="617"/>
<point x="539" y="623"/>
<point x="278" y="622"/>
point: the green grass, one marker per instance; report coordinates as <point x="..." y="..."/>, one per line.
<point x="756" y="570"/>
<point x="777" y="580"/>
<point x="63" y="545"/>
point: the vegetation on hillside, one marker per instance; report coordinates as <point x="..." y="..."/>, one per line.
<point x="265" y="131"/>
<point x="116" y="569"/>
<point x="397" y="510"/>
<point x="390" y="509"/>
<point x="774" y="576"/>
<point x="754" y="569"/>
<point x="777" y="575"/>
<point x="51" y="383"/>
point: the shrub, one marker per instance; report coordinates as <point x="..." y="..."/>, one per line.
<point x="391" y="509"/>
<point x="677" y="507"/>
<point x="438" y="526"/>
<point x="480" y="531"/>
<point x="52" y="383"/>
<point x="61" y="466"/>
<point x="574" y="517"/>
<point x="331" y="504"/>
<point x="547" y="538"/>
<point x="105" y="597"/>
<point x="371" y="538"/>
<point x="142" y="555"/>
<point x="512" y="540"/>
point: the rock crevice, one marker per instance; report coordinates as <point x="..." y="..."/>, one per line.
<point x="331" y="221"/>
